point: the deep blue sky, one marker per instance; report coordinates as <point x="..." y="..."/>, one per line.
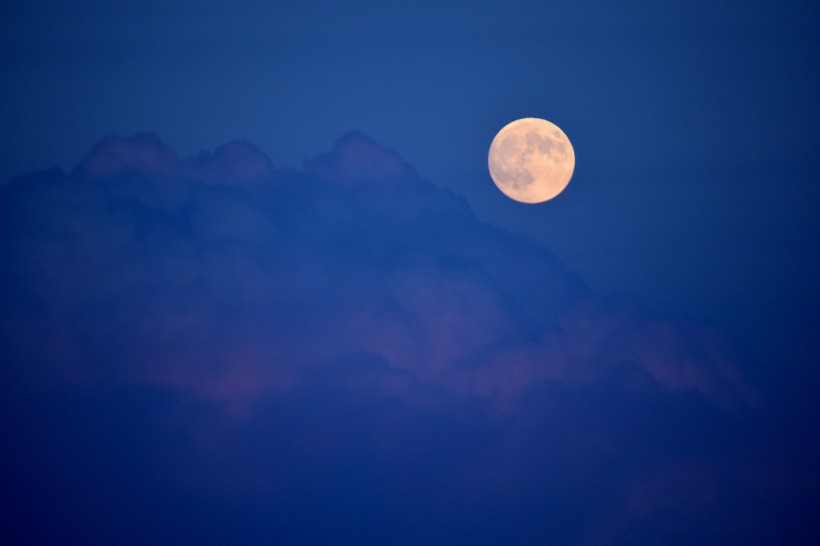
<point x="695" y="123"/>
<point x="694" y="209"/>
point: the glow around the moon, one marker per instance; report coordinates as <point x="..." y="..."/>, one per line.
<point x="531" y="160"/>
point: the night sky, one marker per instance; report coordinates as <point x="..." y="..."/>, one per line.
<point x="257" y="286"/>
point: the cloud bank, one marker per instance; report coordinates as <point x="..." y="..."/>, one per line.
<point x="233" y="279"/>
<point x="348" y="350"/>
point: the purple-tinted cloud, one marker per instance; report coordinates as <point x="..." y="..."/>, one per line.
<point x="145" y="154"/>
<point x="343" y="341"/>
<point x="232" y="290"/>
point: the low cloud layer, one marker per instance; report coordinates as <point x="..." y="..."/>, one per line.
<point x="350" y="350"/>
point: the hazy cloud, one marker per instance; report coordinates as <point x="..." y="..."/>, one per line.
<point x="346" y="344"/>
<point x="231" y="289"/>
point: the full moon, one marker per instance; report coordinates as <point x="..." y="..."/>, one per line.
<point x="531" y="160"/>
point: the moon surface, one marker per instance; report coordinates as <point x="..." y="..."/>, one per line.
<point x="531" y="160"/>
